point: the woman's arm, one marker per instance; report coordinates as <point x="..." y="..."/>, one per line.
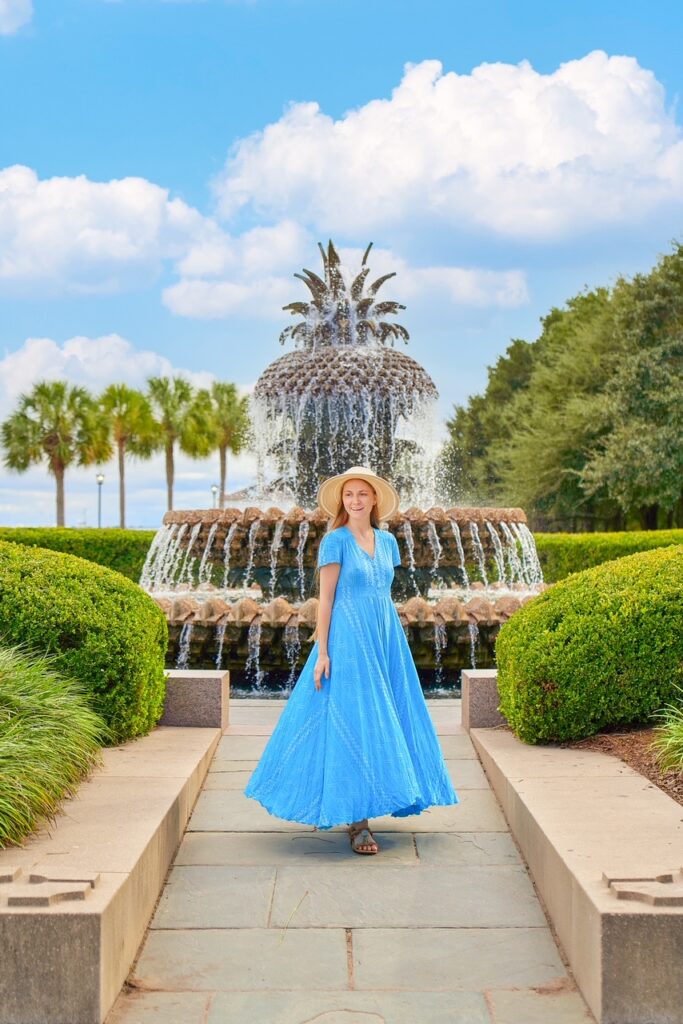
<point x="329" y="574"/>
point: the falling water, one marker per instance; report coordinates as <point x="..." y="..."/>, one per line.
<point x="253" y="530"/>
<point x="531" y="567"/>
<point x="516" y="571"/>
<point x="498" y="554"/>
<point x="473" y="630"/>
<point x="435" y="545"/>
<point x="274" y="549"/>
<point x="188" y="562"/>
<point x="184" y="646"/>
<point x="204" y="573"/>
<point x="165" y="574"/>
<point x="461" y="552"/>
<point x="440" y="642"/>
<point x="292" y="650"/>
<point x="220" y="640"/>
<point x="407" y="531"/>
<point x="252" y="667"/>
<point x="156" y="553"/>
<point x="226" y="554"/>
<point x="303" y="534"/>
<point x="479" y="553"/>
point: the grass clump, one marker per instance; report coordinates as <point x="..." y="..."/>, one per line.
<point x="602" y="648"/>
<point x="668" y="742"/>
<point x="49" y="741"/>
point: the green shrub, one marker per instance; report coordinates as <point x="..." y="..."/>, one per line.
<point x="563" y="553"/>
<point x="49" y="740"/>
<point x="121" y="550"/>
<point x="101" y="628"/>
<point x="601" y="648"/>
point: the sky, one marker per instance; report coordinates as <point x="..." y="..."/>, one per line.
<point x="166" y="166"/>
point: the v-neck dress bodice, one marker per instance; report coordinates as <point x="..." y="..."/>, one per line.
<point x="364" y="745"/>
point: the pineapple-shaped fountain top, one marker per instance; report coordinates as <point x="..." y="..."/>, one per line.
<point x="344" y="394"/>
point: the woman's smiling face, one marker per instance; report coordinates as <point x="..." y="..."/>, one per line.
<point x="358" y="498"/>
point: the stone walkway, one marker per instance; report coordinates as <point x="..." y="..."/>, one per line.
<point x="266" y="922"/>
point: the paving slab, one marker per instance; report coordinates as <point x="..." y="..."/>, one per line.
<point x="478" y="811"/>
<point x="551" y="1004"/>
<point x="347" y="1008"/>
<point x="351" y="897"/>
<point x="466" y="774"/>
<point x="231" y="811"/>
<point x="240" y="748"/>
<point x="282" y="848"/>
<point x="461" y="849"/>
<point x="451" y="959"/>
<point x="136" y="1007"/>
<point x="227" y="764"/>
<point x="228" y="780"/>
<point x="216" y="897"/>
<point x="242" y="958"/>
<point x="457" y="746"/>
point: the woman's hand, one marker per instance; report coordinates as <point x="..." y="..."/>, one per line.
<point x="322" y="667"/>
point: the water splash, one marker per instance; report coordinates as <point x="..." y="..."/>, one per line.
<point x="498" y="554"/>
<point x="512" y="554"/>
<point x="473" y="630"/>
<point x="440" y="643"/>
<point x="407" y="531"/>
<point x="252" y="668"/>
<point x="220" y="641"/>
<point x="251" y="550"/>
<point x="187" y="564"/>
<point x="204" y="573"/>
<point x="292" y="650"/>
<point x="531" y="566"/>
<point x="435" y="545"/>
<point x="226" y="554"/>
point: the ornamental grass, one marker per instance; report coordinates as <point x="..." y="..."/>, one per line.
<point x="668" y="741"/>
<point x="49" y="741"/>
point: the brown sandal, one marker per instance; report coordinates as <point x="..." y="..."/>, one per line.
<point x="362" y="837"/>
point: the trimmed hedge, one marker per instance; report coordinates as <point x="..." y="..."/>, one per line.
<point x="102" y="629"/>
<point x="121" y="550"/>
<point x="49" y="741"/>
<point x="564" y="553"/>
<point x="601" y="648"/>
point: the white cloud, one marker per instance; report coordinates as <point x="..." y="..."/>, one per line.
<point x="73" y="234"/>
<point x="91" y="362"/>
<point x="14" y="14"/>
<point x="504" y="148"/>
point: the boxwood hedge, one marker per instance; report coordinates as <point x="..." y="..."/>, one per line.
<point x="102" y="629"/>
<point x="122" y="550"/>
<point x="563" y="553"/>
<point x="603" y="647"/>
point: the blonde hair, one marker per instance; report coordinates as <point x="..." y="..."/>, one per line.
<point x="341" y="518"/>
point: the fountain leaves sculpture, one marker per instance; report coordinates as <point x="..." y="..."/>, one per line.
<point x="342" y="397"/>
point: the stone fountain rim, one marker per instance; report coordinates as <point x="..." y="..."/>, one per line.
<point x="415" y="516"/>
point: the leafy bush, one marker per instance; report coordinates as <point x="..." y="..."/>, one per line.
<point x="49" y="739"/>
<point x="121" y="550"/>
<point x="101" y="628"/>
<point x="603" y="647"/>
<point x="564" y="553"/>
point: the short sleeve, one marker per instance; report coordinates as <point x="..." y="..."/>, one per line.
<point x="330" y="549"/>
<point x="395" y="553"/>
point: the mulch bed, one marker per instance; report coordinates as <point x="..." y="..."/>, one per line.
<point x="635" y="749"/>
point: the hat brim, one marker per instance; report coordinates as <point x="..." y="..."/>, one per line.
<point x="329" y="493"/>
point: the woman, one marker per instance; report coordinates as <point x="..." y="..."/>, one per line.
<point x="355" y="739"/>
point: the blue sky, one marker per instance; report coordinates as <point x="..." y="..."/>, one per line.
<point x="165" y="167"/>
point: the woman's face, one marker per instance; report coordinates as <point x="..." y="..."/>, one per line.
<point x="358" y="498"/>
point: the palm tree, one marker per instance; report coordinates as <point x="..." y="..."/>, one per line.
<point x="230" y="422"/>
<point x="59" y="424"/>
<point x="182" y="417"/>
<point x="132" y="428"/>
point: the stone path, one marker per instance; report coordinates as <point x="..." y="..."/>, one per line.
<point x="266" y="922"/>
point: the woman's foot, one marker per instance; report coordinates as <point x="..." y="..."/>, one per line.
<point x="362" y="839"/>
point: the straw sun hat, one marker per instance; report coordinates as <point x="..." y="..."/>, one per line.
<point x="330" y="491"/>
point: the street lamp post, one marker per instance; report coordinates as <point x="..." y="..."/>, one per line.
<point x="214" y="491"/>
<point x="100" y="481"/>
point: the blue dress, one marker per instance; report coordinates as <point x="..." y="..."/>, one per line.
<point x="364" y="745"/>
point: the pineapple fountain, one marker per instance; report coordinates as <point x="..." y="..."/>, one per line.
<point x="237" y="585"/>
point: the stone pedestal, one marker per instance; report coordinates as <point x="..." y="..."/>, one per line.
<point x="197" y="699"/>
<point x="480" y="699"/>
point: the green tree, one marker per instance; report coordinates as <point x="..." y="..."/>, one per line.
<point x="183" y="418"/>
<point x="132" y="428"/>
<point x="229" y="416"/>
<point x="639" y="461"/>
<point x="58" y="424"/>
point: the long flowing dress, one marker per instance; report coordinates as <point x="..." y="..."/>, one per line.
<point x="364" y="745"/>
